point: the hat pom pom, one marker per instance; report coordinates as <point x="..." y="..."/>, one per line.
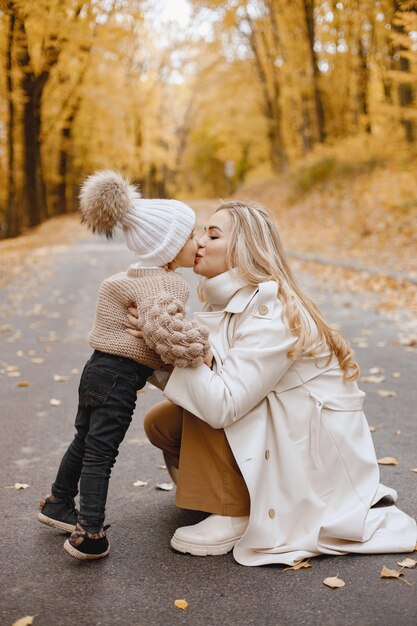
<point x="105" y="197"/>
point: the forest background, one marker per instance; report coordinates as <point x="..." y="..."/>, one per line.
<point x="308" y="105"/>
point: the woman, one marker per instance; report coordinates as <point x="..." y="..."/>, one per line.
<point x="272" y="440"/>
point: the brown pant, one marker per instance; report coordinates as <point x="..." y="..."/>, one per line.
<point x="208" y="478"/>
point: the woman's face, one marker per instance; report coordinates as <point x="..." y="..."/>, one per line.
<point x="210" y="259"/>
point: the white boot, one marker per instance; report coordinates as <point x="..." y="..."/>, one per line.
<point x="215" y="535"/>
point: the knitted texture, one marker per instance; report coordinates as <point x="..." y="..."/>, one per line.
<point x="160" y="298"/>
<point x="179" y="342"/>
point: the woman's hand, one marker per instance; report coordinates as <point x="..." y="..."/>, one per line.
<point x="209" y="359"/>
<point x="132" y="316"/>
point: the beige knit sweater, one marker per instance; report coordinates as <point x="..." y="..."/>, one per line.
<point x="160" y="297"/>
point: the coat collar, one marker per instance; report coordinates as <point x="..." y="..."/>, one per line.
<point x="239" y="302"/>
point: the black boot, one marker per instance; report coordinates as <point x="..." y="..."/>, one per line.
<point x="59" y="513"/>
<point x="84" y="545"/>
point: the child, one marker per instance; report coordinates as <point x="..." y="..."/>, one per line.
<point x="161" y="233"/>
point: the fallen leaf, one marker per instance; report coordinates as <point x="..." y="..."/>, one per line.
<point x="414" y="470"/>
<point x="372" y="429"/>
<point x="162" y="467"/>
<point x="408" y="341"/>
<point x="397" y="432"/>
<point x="393" y="573"/>
<point x="60" y="379"/>
<point x="334" y="582"/>
<point x="24" y="621"/>
<point x="376" y="370"/>
<point x="20" y="486"/>
<point x="385" y="393"/>
<point x="388" y="460"/>
<point x="165" y="486"/>
<point x="409" y="563"/>
<point x="373" y="379"/>
<point x="396" y="374"/>
<point x="390" y="573"/>
<point x="140" y="483"/>
<point x="54" y="402"/>
<point x="181" y="604"/>
<point x="300" y="565"/>
<point x="75" y="371"/>
<point x="22" y="383"/>
<point x="12" y="368"/>
<point x="37" y="360"/>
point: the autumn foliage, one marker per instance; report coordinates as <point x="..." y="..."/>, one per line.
<point x="249" y="88"/>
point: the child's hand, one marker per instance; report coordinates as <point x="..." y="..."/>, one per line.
<point x="209" y="359"/>
<point x="132" y="329"/>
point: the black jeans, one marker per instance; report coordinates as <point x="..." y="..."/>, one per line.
<point x="107" y="400"/>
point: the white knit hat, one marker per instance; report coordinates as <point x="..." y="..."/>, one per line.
<point x="155" y="229"/>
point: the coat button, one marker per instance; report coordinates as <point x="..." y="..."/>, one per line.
<point x="267" y="453"/>
<point x="263" y="309"/>
<point x="271" y="513"/>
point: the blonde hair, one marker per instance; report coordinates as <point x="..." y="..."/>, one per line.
<point x="256" y="251"/>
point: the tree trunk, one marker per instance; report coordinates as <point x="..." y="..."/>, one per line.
<point x="362" y="88"/>
<point x="32" y="88"/>
<point x="318" y="103"/>
<point x="405" y="90"/>
<point x="12" y="214"/>
<point x="271" y="104"/>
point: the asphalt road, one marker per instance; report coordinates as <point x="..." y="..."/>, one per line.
<point x="44" y="322"/>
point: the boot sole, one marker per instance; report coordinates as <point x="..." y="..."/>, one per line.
<point x="82" y="556"/>
<point x="195" y="549"/>
<point x="53" y="523"/>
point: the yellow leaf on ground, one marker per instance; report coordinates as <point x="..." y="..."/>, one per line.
<point x="60" y="379"/>
<point x="181" y="604"/>
<point x="414" y="470"/>
<point x="376" y="370"/>
<point x="334" y="582"/>
<point x="140" y="483"/>
<point x="19" y="486"/>
<point x="390" y="573"/>
<point x="409" y="563"/>
<point x="54" y="402"/>
<point x="24" y="621"/>
<point x="373" y="379"/>
<point x="22" y="383"/>
<point x="372" y="429"/>
<point x="300" y="565"/>
<point x="388" y="460"/>
<point x="393" y="573"/>
<point x="385" y="393"/>
<point x="37" y="360"/>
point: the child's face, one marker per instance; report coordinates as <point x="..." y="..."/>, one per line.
<point x="186" y="256"/>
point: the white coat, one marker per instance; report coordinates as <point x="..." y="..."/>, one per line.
<point x="299" y="436"/>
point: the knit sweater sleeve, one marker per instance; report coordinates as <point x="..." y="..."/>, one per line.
<point x="178" y="342"/>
